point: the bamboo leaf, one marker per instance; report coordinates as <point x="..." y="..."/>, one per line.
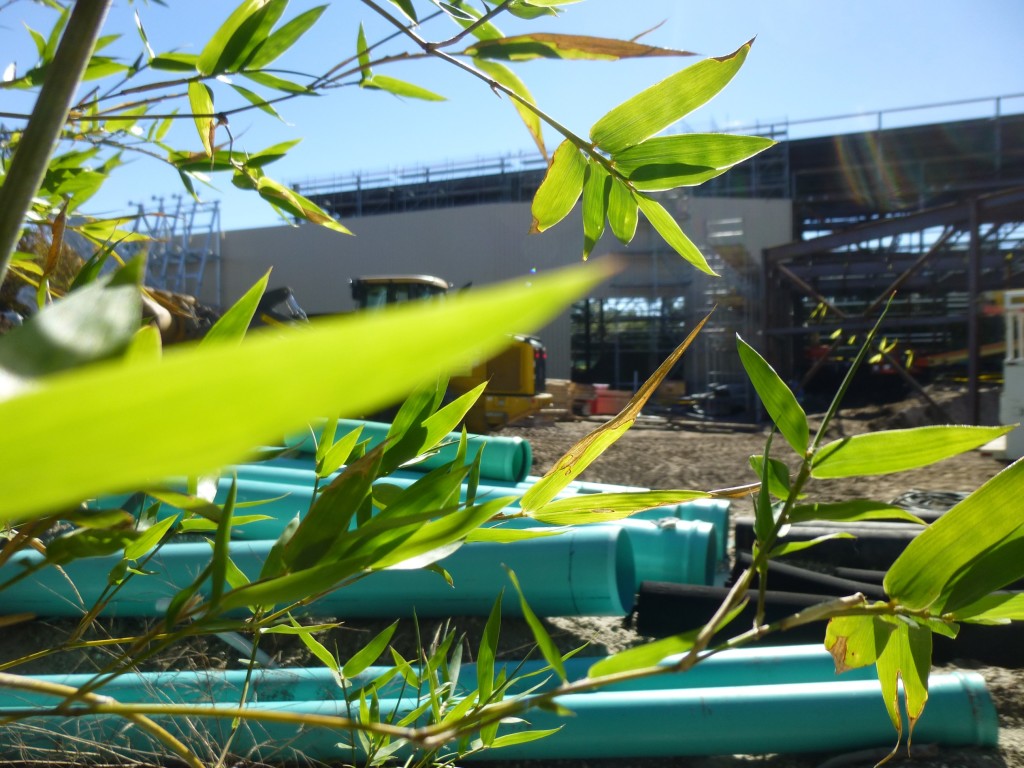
<point x="596" y="188"/>
<point x="778" y="399"/>
<point x="317" y="648"/>
<point x="547" y="646"/>
<point x="561" y="188"/>
<point x="715" y="151"/>
<point x="669" y="228"/>
<point x="777" y="476"/>
<point x="256" y="100"/>
<point x="206" y="408"/>
<point x="905" y="657"/>
<point x="996" y="608"/>
<point x="658" y="107"/>
<point x="880" y="453"/>
<point x="400" y="88"/>
<point x="995" y="568"/>
<point x="501" y="535"/>
<point x="369" y="653"/>
<point x="789" y="548"/>
<point x="228" y="41"/>
<point x="407" y="8"/>
<point x="646" y="655"/>
<point x="487" y="651"/>
<point x="297" y="205"/>
<point x="851" y="511"/>
<point x="601" y="507"/>
<point x="856" y="641"/>
<point x="268" y="80"/>
<point x="505" y="76"/>
<point x="581" y="455"/>
<point x="540" y="45"/>
<point x="622" y="211"/>
<point x="200" y="99"/>
<point x="149" y="538"/>
<point x="283" y="38"/>
<point x="232" y="325"/>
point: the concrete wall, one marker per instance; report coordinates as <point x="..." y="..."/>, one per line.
<point x="481" y="244"/>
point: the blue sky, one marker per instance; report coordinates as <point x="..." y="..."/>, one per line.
<point x="811" y="59"/>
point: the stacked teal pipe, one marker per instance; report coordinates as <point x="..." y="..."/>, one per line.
<point x="504" y="458"/>
<point x="743" y="666"/>
<point x="580" y="572"/>
<point x="748" y="719"/>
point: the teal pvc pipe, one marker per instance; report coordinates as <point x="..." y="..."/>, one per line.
<point x="789" y="718"/>
<point x="580" y="572"/>
<point x="504" y="458"/>
<point x="745" y="666"/>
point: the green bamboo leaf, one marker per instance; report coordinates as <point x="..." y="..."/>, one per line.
<point x="232" y="325"/>
<point x="338" y="453"/>
<point x="669" y="229"/>
<point x="993" y="569"/>
<point x="622" y="211"/>
<point x="996" y="608"/>
<point x="94" y="323"/>
<point x="505" y="76"/>
<point x="500" y="535"/>
<point x="88" y="542"/>
<point x="407" y="8"/>
<point x="231" y="38"/>
<point x="601" y="507"/>
<point x="850" y="512"/>
<point x="596" y="189"/>
<point x="881" y="453"/>
<point x="658" y="107"/>
<point x="668" y="162"/>
<point x="487" y="651"/>
<point x="777" y="476"/>
<point x="561" y="188"/>
<point x="200" y="99"/>
<point x="149" y="538"/>
<point x="581" y="455"/>
<point x="175" y="62"/>
<point x="540" y="45"/>
<point x="718" y="151"/>
<point x="906" y="657"/>
<point x="256" y="100"/>
<point x="944" y="552"/>
<point x="522" y="737"/>
<point x="764" y="515"/>
<point x="363" y="56"/>
<point x="400" y="88"/>
<point x="268" y="80"/>
<point x="646" y="655"/>
<point x="547" y="646"/>
<point x="799" y="546"/>
<point x="369" y="653"/>
<point x="221" y="542"/>
<point x="282" y="39"/>
<point x="206" y="408"/>
<point x="778" y="400"/>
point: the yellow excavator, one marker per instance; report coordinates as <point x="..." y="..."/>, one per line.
<point x="516" y="377"/>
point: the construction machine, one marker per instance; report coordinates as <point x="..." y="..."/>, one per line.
<point x="516" y="377"/>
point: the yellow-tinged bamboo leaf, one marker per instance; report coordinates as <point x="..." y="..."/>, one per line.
<point x="511" y="80"/>
<point x="622" y="211"/>
<point x="856" y="641"/>
<point x="581" y="455"/>
<point x="297" y="205"/>
<point x="540" y="45"/>
<point x="561" y="188"/>
<point x="501" y="535"/>
<point x="200" y="99"/>
<point x="686" y="160"/>
<point x="601" y="507"/>
<point x="669" y="229"/>
<point x="596" y="187"/>
<point x="906" y="655"/>
<point x="658" y="107"/>
<point x="896" y="450"/>
<point x="205" y="408"/>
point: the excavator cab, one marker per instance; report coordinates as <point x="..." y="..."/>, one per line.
<point x="378" y="291"/>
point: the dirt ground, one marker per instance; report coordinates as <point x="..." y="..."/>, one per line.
<point x="704" y="456"/>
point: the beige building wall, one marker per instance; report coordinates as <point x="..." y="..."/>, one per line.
<point x="485" y="244"/>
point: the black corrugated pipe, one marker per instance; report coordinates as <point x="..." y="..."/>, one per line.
<point x="783" y="577"/>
